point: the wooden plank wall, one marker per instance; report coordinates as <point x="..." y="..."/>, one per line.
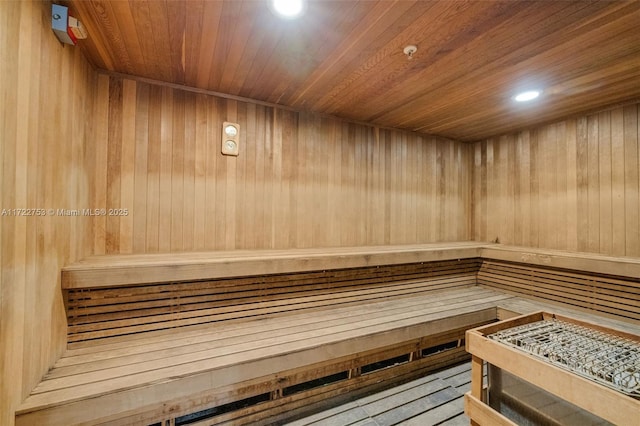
<point x="45" y="93"/>
<point x="571" y="185"/>
<point x="301" y="180"/>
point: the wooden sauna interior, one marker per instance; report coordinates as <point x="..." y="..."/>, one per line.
<point x="344" y="142"/>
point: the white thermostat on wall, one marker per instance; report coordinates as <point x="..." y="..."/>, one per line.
<point x="230" y="138"/>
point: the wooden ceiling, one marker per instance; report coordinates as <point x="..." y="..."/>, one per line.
<point x="345" y="58"/>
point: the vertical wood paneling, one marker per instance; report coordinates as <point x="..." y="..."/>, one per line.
<point x="99" y="193"/>
<point x="200" y="176"/>
<point x="301" y="180"/>
<point x="139" y="212"/>
<point x="534" y="190"/>
<point x="631" y="134"/>
<point x="127" y="164"/>
<point x="165" y="210"/>
<point x="189" y="172"/>
<point x="177" y="173"/>
<point x="582" y="178"/>
<point x="618" y="238"/>
<point x="46" y="142"/>
<point x="576" y="185"/>
<point x="153" y="172"/>
<point x="114" y="162"/>
<point x="604" y="176"/>
<point x="572" y="185"/>
<point x="593" y="185"/>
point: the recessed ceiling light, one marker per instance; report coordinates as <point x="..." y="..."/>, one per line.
<point x="288" y="8"/>
<point x="527" y="96"/>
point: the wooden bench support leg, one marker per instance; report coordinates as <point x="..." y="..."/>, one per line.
<point x="354" y="372"/>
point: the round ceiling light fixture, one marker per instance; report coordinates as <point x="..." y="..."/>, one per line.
<point x="288" y="8"/>
<point x="527" y="96"/>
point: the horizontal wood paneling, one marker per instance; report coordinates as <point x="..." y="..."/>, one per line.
<point x="572" y="185"/>
<point x="301" y="180"/>
<point x="45" y="117"/>
<point x="609" y="294"/>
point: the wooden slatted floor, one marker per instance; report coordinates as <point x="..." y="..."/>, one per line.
<point x="436" y="399"/>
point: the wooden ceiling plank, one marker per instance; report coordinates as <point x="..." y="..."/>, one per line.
<point x="243" y="25"/>
<point x="264" y="32"/>
<point x="558" y="75"/>
<point x="344" y="58"/>
<point x="249" y="78"/>
<point x="210" y="23"/>
<point x="479" y="130"/>
<point x="293" y="40"/>
<point x="109" y="24"/>
<point x="90" y="46"/>
<point x="368" y="27"/>
<point x="193" y="39"/>
<point x="434" y="27"/>
<point x="504" y="50"/>
<point x="159" y="22"/>
<point x="97" y="47"/>
<point x="301" y="56"/>
<point x="433" y="70"/>
<point x="483" y="78"/>
<point x="319" y="49"/>
<point x="592" y="82"/>
<point x="224" y="41"/>
<point x="144" y="30"/>
<point x="177" y="14"/>
<point x="127" y="28"/>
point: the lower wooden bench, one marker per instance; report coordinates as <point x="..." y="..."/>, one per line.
<point x="147" y="378"/>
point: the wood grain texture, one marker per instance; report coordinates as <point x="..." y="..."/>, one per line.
<point x="345" y="57"/>
<point x="576" y="185"/>
<point x="301" y="180"/>
<point x="283" y="342"/>
<point x="46" y="94"/>
<point x="118" y="311"/>
<point x="602" y="401"/>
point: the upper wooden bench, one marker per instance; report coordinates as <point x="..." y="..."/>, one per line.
<point x="154" y="336"/>
<point x="118" y="270"/>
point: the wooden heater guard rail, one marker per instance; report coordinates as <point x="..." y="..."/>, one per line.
<point x="602" y="401"/>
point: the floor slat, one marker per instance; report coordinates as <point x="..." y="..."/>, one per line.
<point x="430" y="400"/>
